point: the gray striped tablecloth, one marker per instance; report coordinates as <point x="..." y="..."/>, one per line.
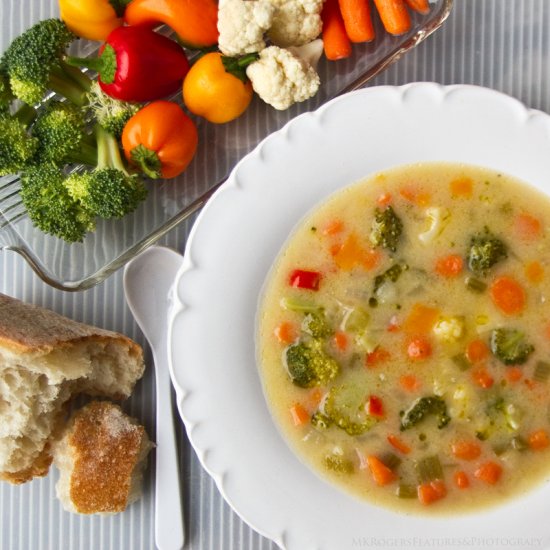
<point x="501" y="44"/>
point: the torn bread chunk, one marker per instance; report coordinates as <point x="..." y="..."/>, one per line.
<point x="45" y="360"/>
<point x="101" y="457"/>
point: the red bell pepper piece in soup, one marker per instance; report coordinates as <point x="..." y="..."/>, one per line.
<point x="308" y="280"/>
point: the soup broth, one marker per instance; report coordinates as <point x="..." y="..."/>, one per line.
<point x="404" y="338"/>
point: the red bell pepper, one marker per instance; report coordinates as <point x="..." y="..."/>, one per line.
<point x="375" y="407"/>
<point x="137" y="64"/>
<point x="308" y="280"/>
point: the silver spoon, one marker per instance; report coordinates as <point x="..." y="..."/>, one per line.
<point x="147" y="280"/>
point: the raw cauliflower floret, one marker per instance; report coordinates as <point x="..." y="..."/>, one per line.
<point x="282" y="78"/>
<point x="242" y="25"/>
<point x="449" y="329"/>
<point x="296" y="22"/>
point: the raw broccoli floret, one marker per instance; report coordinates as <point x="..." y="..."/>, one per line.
<point x="485" y="251"/>
<point x="424" y="407"/>
<point x="509" y="346"/>
<point x="112" y="114"/>
<point x="61" y="135"/>
<point x="386" y="229"/>
<point x="309" y="365"/>
<point x="34" y="64"/>
<point x="345" y="407"/>
<point x="108" y="191"/>
<point x="49" y="205"/>
<point x="17" y="146"/>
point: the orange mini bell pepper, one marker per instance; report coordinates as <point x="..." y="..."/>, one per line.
<point x="216" y="87"/>
<point x="160" y="139"/>
<point x="92" y="19"/>
<point x="194" y="21"/>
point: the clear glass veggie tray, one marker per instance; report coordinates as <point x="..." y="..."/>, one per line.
<point x="82" y="265"/>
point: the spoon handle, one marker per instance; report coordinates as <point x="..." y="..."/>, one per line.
<point x="169" y="533"/>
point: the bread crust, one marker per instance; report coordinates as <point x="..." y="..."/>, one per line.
<point x="39" y="468"/>
<point x="26" y="328"/>
<point x="104" y="452"/>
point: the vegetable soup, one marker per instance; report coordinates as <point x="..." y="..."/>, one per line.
<point x="404" y="338"/>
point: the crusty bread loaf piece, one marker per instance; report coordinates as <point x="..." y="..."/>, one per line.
<point x="45" y="359"/>
<point x="101" y="458"/>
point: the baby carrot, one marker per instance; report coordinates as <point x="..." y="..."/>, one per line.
<point x="508" y="295"/>
<point x="381" y="474"/>
<point x="336" y="42"/>
<point x="421" y="6"/>
<point x="357" y="20"/>
<point x="394" y="15"/>
<point x="489" y="472"/>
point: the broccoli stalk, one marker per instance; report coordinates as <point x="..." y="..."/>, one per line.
<point x="108" y="191"/>
<point x="34" y="64"/>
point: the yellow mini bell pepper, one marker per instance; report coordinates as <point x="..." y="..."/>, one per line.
<point x="216" y="87"/>
<point x="92" y="19"/>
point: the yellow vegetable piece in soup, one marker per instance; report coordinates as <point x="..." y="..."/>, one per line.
<point x="404" y="338"/>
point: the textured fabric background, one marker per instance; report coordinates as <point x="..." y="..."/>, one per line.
<point x="501" y="44"/>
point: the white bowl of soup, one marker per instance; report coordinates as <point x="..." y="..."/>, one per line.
<point x="404" y="338"/>
<point x="397" y="239"/>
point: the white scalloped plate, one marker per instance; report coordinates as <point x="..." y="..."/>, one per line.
<point x="230" y="252"/>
